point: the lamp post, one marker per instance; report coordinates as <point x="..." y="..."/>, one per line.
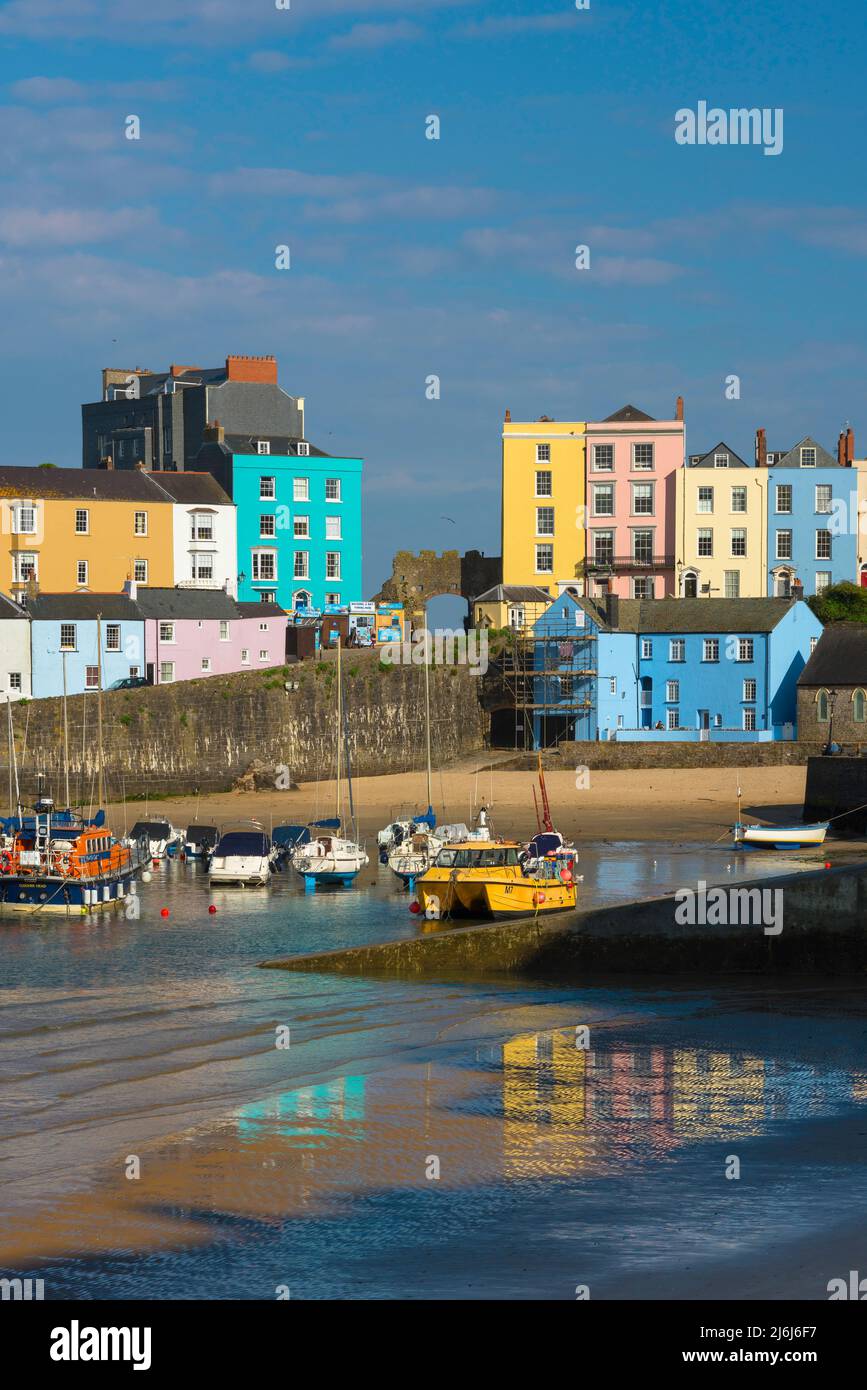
<point x="832" y="700"/>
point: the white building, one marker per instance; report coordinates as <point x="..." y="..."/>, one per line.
<point x="204" y="531"/>
<point x="15" y="666"/>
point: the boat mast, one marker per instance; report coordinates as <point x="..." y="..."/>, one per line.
<point x="339" y="728"/>
<point x="65" y="736"/>
<point x="14" y="758"/>
<point x="427" y="656"/>
<point x="99" y="707"/>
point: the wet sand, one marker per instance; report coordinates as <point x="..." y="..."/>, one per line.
<point x="659" y="804"/>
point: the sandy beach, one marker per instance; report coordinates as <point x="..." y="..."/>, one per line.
<point x="658" y="804"/>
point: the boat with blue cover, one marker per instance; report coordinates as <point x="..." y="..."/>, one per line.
<point x="59" y="861"/>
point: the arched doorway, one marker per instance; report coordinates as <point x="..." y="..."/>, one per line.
<point x="782" y="582"/>
<point x="689" y="584"/>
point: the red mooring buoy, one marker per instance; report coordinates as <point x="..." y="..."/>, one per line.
<point x="164" y="912"/>
<point x="212" y="909"/>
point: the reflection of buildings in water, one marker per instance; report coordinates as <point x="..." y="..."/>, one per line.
<point x="544" y="1106"/>
<point x="717" y="1093"/>
<point x="311" y="1116"/>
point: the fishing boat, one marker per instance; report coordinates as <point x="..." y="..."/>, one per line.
<point x="329" y="857"/>
<point x="199" y="841"/>
<point x="160" y="836"/>
<point x="242" y="857"/>
<point x="489" y="881"/>
<point x="779" y="837"/>
<point x="58" y="861"/>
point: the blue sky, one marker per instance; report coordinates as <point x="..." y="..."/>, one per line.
<point x="413" y="257"/>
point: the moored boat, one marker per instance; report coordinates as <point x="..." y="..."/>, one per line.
<point x="778" y="836"/>
<point x="199" y="841"/>
<point x="242" y="857"/>
<point x="56" y="861"/>
<point x="160" y="836"/>
<point x="329" y="859"/>
<point x="489" y="881"/>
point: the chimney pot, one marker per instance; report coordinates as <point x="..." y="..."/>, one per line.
<point x="508" y="416"/>
<point x="761" y="449"/>
<point x="678" y="408"/>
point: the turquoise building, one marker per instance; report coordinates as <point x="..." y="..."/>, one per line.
<point x="299" y="518"/>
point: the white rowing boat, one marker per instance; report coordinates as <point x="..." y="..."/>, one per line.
<point x="779" y="836"/>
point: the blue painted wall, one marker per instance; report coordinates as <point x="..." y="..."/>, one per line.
<point x="805" y="521"/>
<point x="247" y="471"/>
<point x="790" y="645"/>
<point x="47" y="661"/>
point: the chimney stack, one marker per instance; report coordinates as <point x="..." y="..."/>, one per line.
<point x="508" y="417"/>
<point x="214" y="433"/>
<point x="258" y="370"/>
<point x="841" y="449"/>
<point x="678" y="408"/>
<point x="761" y="449"/>
<point x="850" y="447"/>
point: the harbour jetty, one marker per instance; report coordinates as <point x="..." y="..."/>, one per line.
<point x="812" y="922"/>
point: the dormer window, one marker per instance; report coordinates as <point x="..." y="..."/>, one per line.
<point x="263" y="446"/>
<point x="721" y="460"/>
<point x="808" y="458"/>
<point x="303" y="448"/>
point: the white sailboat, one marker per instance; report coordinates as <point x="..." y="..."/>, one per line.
<point x="329" y="858"/>
<point x="417" y="851"/>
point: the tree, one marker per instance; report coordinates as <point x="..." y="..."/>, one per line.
<point x="840" y="603"/>
<point x="47" y="465"/>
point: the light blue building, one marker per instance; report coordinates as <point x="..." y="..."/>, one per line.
<point x="812" y="517"/>
<point x="63" y="633"/>
<point x="670" y="670"/>
<point x="298" y="515"/>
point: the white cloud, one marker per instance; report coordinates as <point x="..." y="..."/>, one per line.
<point x="352" y="198"/>
<point x="378" y="35"/>
<point x="35" y="228"/>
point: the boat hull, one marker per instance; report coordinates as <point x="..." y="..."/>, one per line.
<point x="495" y="899"/>
<point x="781" y="837"/>
<point x="45" y="893"/>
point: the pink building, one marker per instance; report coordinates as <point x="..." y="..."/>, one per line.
<point x="631" y="464"/>
<point x="190" y="633"/>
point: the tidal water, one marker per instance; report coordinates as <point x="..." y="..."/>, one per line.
<point x="160" y="1139"/>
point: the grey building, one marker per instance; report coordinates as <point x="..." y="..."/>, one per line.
<point x="158" y="419"/>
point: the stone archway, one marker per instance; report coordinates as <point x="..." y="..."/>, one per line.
<point x="415" y="579"/>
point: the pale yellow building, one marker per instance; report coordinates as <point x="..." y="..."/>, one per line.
<point x="543" y="497"/>
<point x="721" y="527"/>
<point x="515" y="606"/>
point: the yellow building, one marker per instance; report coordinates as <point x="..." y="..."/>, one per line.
<point x="543" y="521"/>
<point x="66" y="529"/>
<point x="721" y="527"/>
<point x="515" y="605"/>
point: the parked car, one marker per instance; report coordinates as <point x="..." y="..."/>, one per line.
<point x="129" y="683"/>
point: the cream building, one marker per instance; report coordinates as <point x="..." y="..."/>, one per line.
<point x="721" y="527"/>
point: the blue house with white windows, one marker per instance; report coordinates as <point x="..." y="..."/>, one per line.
<point x="298" y="517"/>
<point x="670" y="670"/>
<point x="82" y="632"/>
<point x="812" y="531"/>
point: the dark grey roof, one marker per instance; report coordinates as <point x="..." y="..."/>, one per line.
<point x="193" y="604"/>
<point x="793" y="458"/>
<point x="82" y="607"/>
<point x="625" y="414"/>
<point x="840" y="657"/>
<point x="10" y="609"/>
<point x="280" y="444"/>
<point x="707" y="460"/>
<point x="78" y="483"/>
<point x="701" y="614"/>
<point x="193" y="488"/>
<point x="252" y="609"/>
<point x="514" y="593"/>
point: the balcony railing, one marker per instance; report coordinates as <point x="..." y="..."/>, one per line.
<point x="623" y="563"/>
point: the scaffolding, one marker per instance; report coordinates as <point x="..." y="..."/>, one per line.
<point x="547" y="679"/>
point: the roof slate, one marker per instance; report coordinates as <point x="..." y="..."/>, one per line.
<point x="625" y="414"/>
<point x="840" y="657"/>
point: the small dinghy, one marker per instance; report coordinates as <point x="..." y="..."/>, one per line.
<point x="778" y="836"/>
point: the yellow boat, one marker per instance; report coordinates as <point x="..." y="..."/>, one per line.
<point x="473" y="879"/>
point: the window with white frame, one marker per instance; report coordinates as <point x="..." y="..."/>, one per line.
<point x="672" y="718"/>
<point x="646" y="649"/>
<point x="301" y="564"/>
<point x="642" y="586"/>
<point x="82" y="521"/>
<point x="784" y="545"/>
<point x="24" y="519"/>
<point x="677" y="649"/>
<point x="333" y="531"/>
<point x="823" y="497"/>
<point x="612" y="685"/>
<point x="303" y="448"/>
<point x="245" y="656"/>
<point x="544" y="483"/>
<point x="67" y="637"/>
<point x="267" y="525"/>
<point x="267" y="489"/>
<point x="642" y="547"/>
<point x="750" y="686"/>
<point x="264" y="566"/>
<point x="301" y="527"/>
<point x="544" y="559"/>
<point x="543" y="453"/>
<point x="225" y="634"/>
<point x="167" y="632"/>
<point x="808" y="457"/>
<point x="672" y="692"/>
<point x="201" y="526"/>
<point x="739" y="499"/>
<point x="784" y="498"/>
<point x="15" y="680"/>
<point x="749" y="720"/>
<point x="642" y="457"/>
<point x="91" y="677"/>
<point x="140" y="571"/>
<point x="25" y="565"/>
<point x="263" y="627"/>
<point x="710" y="649"/>
<point x="140" y="524"/>
<point x="739" y="541"/>
<point x="603" y="547"/>
<point x="263" y="654"/>
<point x="332" y="598"/>
<point x="263" y="446"/>
<point x="705" y="499"/>
<point x="81" y="572"/>
<point x="332" y="564"/>
<point x="732" y="583"/>
<point x="603" y="499"/>
<point x="823" y="581"/>
<point x="206" y="663"/>
<point x="112" y="637"/>
<point x="814" y="642"/>
<point x="202" y="566"/>
<point x="167" y="672"/>
<point x="332" y="489"/>
<point x="603" y="458"/>
<point x="301" y="489"/>
<point x="642" y="499"/>
<point x="704" y="544"/>
<point x="746" y="648"/>
<point x="823" y="545"/>
<point x="721" y="460"/>
<point x="544" y="521"/>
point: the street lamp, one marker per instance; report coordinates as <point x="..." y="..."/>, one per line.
<point x="832" y="700"/>
<point x="242" y="578"/>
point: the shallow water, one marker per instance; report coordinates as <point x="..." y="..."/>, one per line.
<point x="559" y="1158"/>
